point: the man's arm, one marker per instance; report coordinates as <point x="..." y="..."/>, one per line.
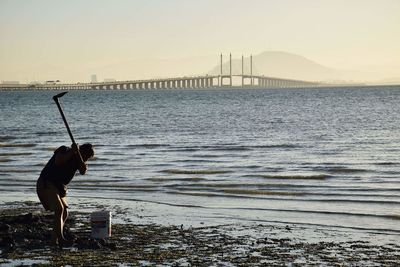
<point x="82" y="168"/>
<point x="63" y="157"/>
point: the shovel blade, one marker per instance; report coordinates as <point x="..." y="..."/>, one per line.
<point x="59" y="95"/>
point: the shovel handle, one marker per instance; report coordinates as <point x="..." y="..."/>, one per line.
<point x="67" y="126"/>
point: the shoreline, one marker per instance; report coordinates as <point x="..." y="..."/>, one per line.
<point x="25" y="240"/>
<point x="163" y="212"/>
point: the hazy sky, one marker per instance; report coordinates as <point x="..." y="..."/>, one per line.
<point x="69" y="40"/>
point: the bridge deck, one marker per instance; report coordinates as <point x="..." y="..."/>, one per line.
<point x="195" y="82"/>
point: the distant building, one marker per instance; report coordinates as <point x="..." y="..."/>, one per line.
<point x="10" y="82"/>
<point x="93" y="78"/>
<point x="52" y="82"/>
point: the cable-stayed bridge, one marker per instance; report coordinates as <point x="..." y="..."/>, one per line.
<point x="222" y="80"/>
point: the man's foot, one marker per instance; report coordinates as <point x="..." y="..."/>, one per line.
<point x="64" y="243"/>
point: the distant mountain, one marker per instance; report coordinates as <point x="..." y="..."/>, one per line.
<point x="283" y="65"/>
<point x="270" y="63"/>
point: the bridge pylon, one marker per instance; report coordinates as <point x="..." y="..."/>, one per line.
<point x="229" y="76"/>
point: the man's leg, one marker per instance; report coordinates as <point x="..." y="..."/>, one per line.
<point x="50" y="199"/>
<point x="65" y="213"/>
<point x="64" y="218"/>
<point x="58" y="224"/>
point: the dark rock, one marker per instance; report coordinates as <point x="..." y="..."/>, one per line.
<point x="7" y="241"/>
<point x="69" y="235"/>
<point x="102" y="241"/>
<point x="95" y="244"/>
<point x="112" y="246"/>
<point x="5" y="227"/>
<point x="26" y="219"/>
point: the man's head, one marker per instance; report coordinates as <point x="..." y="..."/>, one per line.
<point x="87" y="151"/>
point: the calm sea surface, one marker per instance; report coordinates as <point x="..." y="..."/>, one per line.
<point x="313" y="156"/>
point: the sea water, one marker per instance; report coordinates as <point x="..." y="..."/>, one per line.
<point x="327" y="156"/>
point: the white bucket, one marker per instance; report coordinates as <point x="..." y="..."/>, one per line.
<point x="101" y="224"/>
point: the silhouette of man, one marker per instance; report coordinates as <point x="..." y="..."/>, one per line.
<point x="51" y="186"/>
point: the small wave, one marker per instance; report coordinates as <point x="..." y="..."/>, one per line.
<point x="115" y="187"/>
<point x="295" y="177"/>
<point x="102" y="164"/>
<point x="211" y="148"/>
<point x="177" y="171"/>
<point x="198" y="194"/>
<point x="250" y="147"/>
<point x="245" y="167"/>
<point x="197" y="161"/>
<point x="277" y="146"/>
<point x="5" y="160"/>
<point x="15" y="154"/>
<point x="51" y="133"/>
<point x="386" y="163"/>
<point x="261" y="192"/>
<point x="42" y="164"/>
<point x="113" y="180"/>
<point x="9" y="181"/>
<point x="110" y="131"/>
<point x="4" y="138"/>
<point x="182" y="150"/>
<point x="209" y="156"/>
<point x="228" y="148"/>
<point x="17" y="145"/>
<point x="53" y="148"/>
<point x="165" y="179"/>
<point x="223" y="185"/>
<point x="18" y="171"/>
<point x="148" y="146"/>
<point x="393" y="217"/>
<point x="245" y="147"/>
<point x="344" y="170"/>
<point x="115" y="153"/>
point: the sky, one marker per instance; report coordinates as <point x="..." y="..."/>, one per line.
<point x="127" y="39"/>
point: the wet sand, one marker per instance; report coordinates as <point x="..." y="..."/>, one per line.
<point x="25" y="235"/>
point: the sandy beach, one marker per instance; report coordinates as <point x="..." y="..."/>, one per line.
<point x="25" y="235"/>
